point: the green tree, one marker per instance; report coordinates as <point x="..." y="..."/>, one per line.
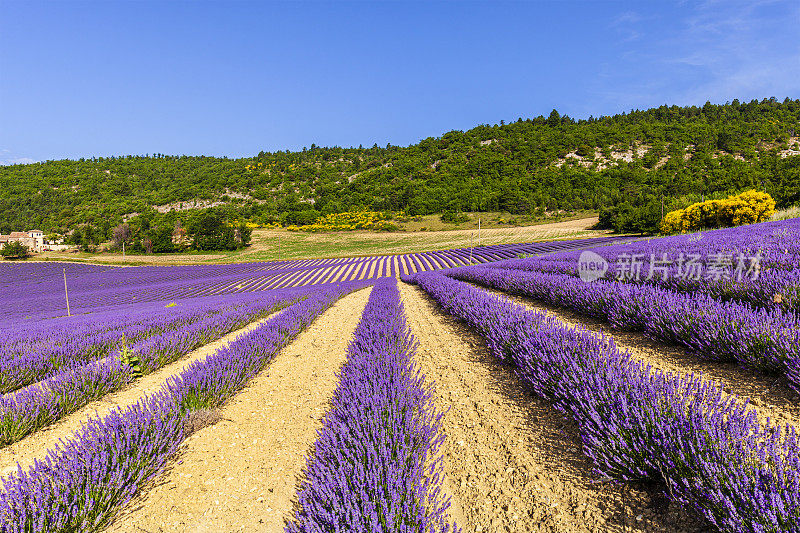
<point x="210" y="232"/>
<point x="14" y="250"/>
<point x="242" y="235"/>
<point x="554" y="119"/>
<point x="161" y="238"/>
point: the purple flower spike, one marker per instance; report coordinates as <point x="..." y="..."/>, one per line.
<point x="376" y="465"/>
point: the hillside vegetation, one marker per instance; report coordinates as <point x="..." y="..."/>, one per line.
<point x="621" y="165"/>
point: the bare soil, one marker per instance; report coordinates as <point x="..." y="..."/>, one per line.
<point x="36" y="445"/>
<point x="512" y="461"/>
<point x="771" y="396"/>
<point x="241" y="473"/>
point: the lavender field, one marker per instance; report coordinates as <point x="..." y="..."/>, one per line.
<point x="520" y="390"/>
<point x="709" y="449"/>
<point x="36" y="290"/>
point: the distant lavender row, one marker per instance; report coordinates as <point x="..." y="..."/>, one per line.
<point x="639" y="424"/>
<point x="81" y="483"/>
<point x="24" y="336"/>
<point x="765" y="339"/>
<point x="777" y="243"/>
<point x="37" y="290"/>
<point x="375" y="465"/>
<point x="30" y="336"/>
<point x="31" y="354"/>
<point x="771" y="288"/>
<point x="36" y="406"/>
<point x="666" y="262"/>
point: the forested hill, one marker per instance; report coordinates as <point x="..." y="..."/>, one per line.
<point x="546" y="163"/>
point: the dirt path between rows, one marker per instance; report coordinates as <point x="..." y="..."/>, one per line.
<point x="771" y="396"/>
<point x="512" y="462"/>
<point x="36" y="445"/>
<point x="241" y="473"/>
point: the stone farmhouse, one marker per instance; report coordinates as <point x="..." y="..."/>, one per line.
<point x="33" y="239"/>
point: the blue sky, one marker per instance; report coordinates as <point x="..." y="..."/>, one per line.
<point x="79" y="79"/>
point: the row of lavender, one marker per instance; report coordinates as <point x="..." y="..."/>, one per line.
<point x="755" y="263"/>
<point x="38" y="350"/>
<point x="31" y="408"/>
<point x="36" y="290"/>
<point x="375" y="465"/>
<point x="765" y="339"/>
<point x="81" y="484"/>
<point x="707" y="449"/>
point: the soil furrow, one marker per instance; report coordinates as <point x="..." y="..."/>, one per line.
<point x="512" y="462"/>
<point x="241" y="473"/>
<point x="37" y="444"/>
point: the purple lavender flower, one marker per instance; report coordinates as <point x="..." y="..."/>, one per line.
<point x="707" y="449"/>
<point x="80" y="484"/>
<point x="375" y="465"/>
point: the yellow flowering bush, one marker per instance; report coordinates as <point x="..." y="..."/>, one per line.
<point x="746" y="208"/>
<point x="348" y="221"/>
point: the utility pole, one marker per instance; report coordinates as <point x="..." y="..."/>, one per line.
<point x="479" y="231"/>
<point x="279" y="247"/>
<point x="123" y="249"/>
<point x="470" y="248"/>
<point x="65" y="292"/>
<point x="662" y="206"/>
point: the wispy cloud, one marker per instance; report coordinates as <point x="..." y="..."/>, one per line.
<point x="745" y="48"/>
<point x="718" y="50"/>
<point x="626" y="25"/>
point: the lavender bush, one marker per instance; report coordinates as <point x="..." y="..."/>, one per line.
<point x="45" y="348"/>
<point x="207" y="383"/>
<point x="80" y="485"/>
<point x="776" y="281"/>
<point x="765" y="339"/>
<point x="34" y="407"/>
<point x="708" y="449"/>
<point x="375" y="466"/>
<point x="81" y="482"/>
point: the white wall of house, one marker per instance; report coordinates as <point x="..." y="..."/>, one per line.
<point x="57" y="247"/>
<point x="34" y="240"/>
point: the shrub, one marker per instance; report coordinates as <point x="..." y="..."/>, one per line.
<point x="451" y="217"/>
<point x="14" y="250"/>
<point x="347" y="221"/>
<point x="746" y="208"/>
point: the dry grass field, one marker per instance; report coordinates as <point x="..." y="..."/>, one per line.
<point x="271" y="245"/>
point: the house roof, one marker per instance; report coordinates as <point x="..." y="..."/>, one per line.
<point x="18" y="234"/>
<point x="35" y="231"/>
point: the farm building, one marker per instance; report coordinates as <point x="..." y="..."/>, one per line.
<point x="33" y="239"/>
